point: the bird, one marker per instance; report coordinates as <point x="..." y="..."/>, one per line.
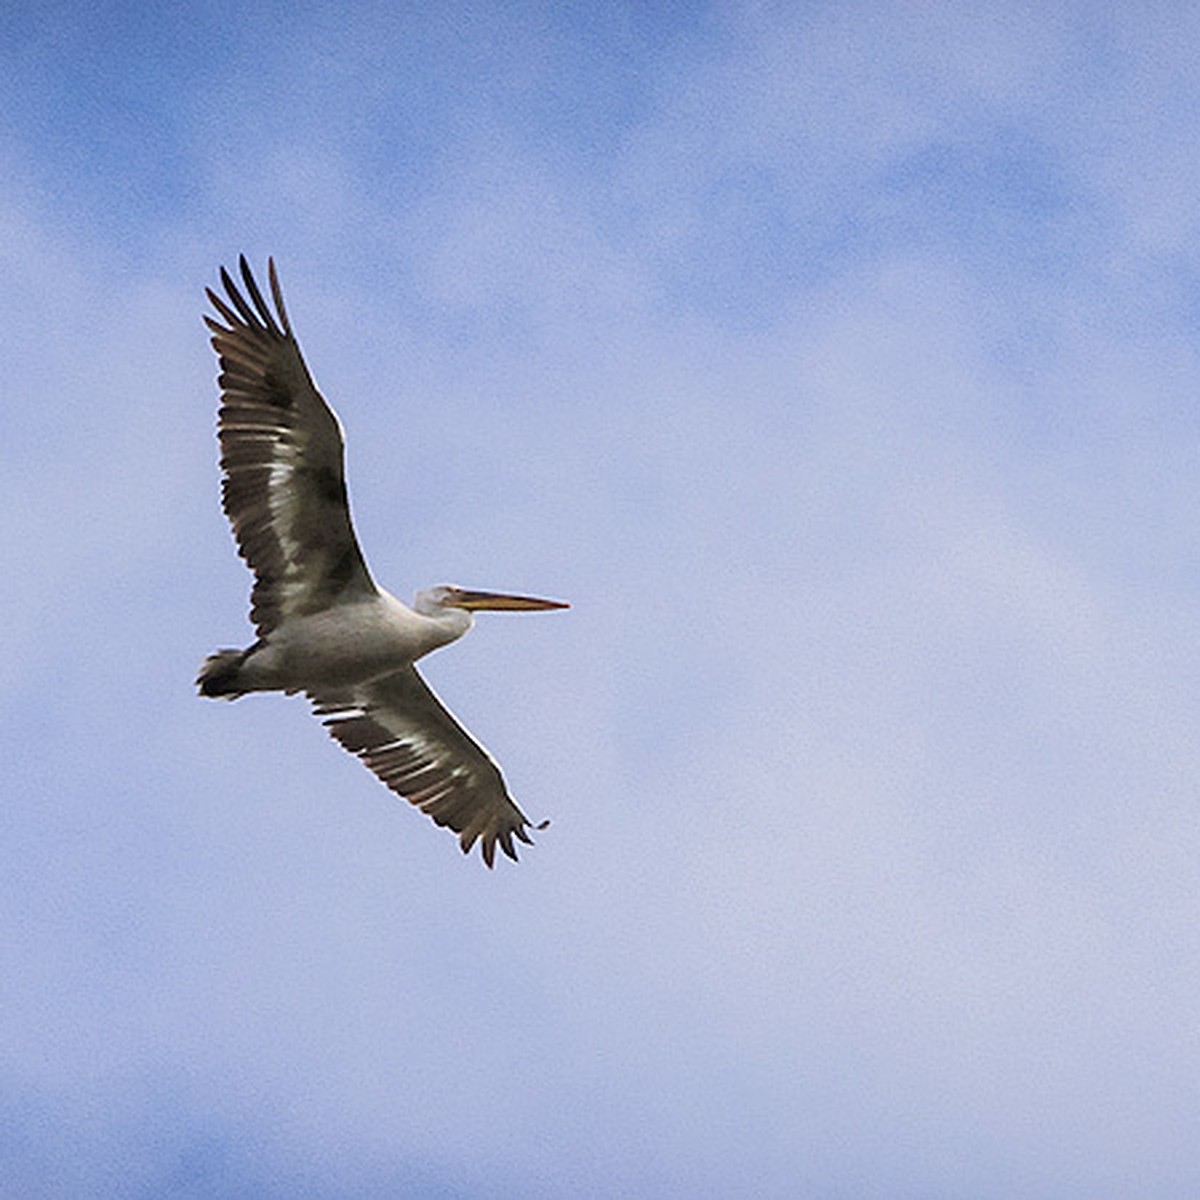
<point x="325" y="627"/>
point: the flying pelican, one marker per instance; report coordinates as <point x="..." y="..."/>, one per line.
<point x="325" y="627"/>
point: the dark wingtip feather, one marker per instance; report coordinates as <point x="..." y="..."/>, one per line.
<point x="256" y="298"/>
<point x="230" y="318"/>
<point x="277" y="295"/>
<point x="236" y="297"/>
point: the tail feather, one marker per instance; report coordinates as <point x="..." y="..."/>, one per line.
<point x="218" y="676"/>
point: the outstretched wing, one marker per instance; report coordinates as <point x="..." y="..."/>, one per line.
<point x="400" y="729"/>
<point x="284" y="489"/>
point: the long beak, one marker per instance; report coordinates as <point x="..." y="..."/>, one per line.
<point x="501" y="601"/>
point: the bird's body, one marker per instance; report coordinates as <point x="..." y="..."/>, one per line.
<point x="344" y="645"/>
<point x="324" y="627"/>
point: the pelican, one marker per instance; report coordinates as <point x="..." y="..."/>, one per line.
<point x="324" y="626"/>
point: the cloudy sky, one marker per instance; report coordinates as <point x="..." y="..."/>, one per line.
<point x="839" y="364"/>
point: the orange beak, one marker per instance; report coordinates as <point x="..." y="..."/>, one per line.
<point x="499" y="601"/>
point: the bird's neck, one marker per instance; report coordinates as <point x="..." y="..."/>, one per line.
<point x="445" y="625"/>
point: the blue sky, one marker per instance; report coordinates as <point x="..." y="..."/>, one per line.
<point x="838" y="363"/>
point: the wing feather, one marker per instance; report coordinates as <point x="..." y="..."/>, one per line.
<point x="401" y="730"/>
<point x="282" y="455"/>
